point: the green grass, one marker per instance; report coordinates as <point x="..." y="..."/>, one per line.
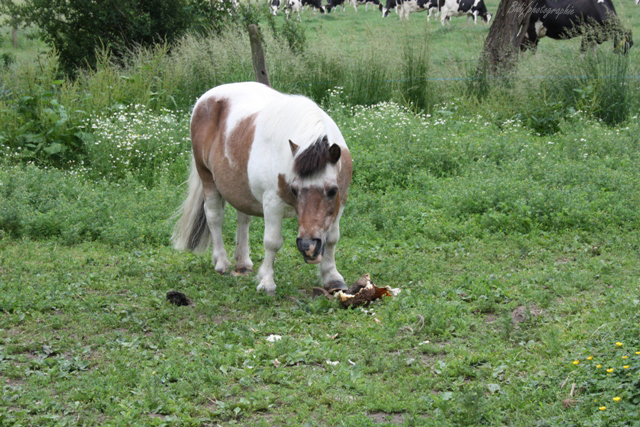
<point x="516" y="255"/>
<point x="510" y="223"/>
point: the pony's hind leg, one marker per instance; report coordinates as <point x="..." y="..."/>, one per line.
<point x="242" y="254"/>
<point x="214" y="211"/>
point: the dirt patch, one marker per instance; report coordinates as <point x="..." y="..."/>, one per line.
<point x="490" y="318"/>
<point x="522" y="313"/>
<point x="428" y="359"/>
<point x="385" y="417"/>
<point x="14" y="382"/>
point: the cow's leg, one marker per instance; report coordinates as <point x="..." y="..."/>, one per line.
<point x="242" y="254"/>
<point x="214" y="212"/>
<point x="331" y="278"/>
<point x="272" y="244"/>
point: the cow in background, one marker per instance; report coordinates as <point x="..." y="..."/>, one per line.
<point x="293" y="6"/>
<point x="315" y="4"/>
<point x="405" y="7"/>
<point x="374" y="3"/>
<point x="595" y="20"/>
<point x="471" y="8"/>
<point x="274" y="5"/>
<point x="335" y="3"/>
<point x="390" y="4"/>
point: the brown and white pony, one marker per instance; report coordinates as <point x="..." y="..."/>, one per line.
<point x="267" y="154"/>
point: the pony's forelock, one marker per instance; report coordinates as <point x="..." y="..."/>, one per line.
<point x="313" y="159"/>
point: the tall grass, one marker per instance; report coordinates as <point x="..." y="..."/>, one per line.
<point x="41" y="112"/>
<point x="596" y="84"/>
<point x="415" y="88"/>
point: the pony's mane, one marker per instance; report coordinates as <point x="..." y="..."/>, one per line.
<point x="313" y="159"/>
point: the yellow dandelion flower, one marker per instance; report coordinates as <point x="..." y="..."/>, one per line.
<point x="602" y="408"/>
<point x="610" y="370"/>
<point x="590" y="357"/>
<point x="626" y="366"/>
<point x="619" y="344"/>
<point x="637" y="352"/>
<point x="625" y="357"/>
<point x="616" y="399"/>
<point x="598" y="366"/>
<point x="575" y="362"/>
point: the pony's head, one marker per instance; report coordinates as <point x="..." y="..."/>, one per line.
<point x="316" y="192"/>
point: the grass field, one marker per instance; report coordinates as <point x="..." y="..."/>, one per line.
<point x="516" y="252"/>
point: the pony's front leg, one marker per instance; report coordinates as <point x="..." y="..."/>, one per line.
<point x="272" y="244"/>
<point x="331" y="278"/>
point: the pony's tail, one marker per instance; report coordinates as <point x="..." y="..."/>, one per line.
<point x="191" y="231"/>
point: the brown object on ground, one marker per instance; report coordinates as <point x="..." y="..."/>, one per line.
<point x="363" y="292"/>
<point x="178" y="298"/>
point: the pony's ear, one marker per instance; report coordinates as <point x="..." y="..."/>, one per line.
<point x="294" y="148"/>
<point x="334" y="153"/>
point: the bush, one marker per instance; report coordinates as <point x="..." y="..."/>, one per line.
<point x="77" y="28"/>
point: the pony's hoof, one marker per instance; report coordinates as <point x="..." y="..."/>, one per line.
<point x="241" y="271"/>
<point x="335" y="286"/>
<point x="222" y="267"/>
<point x="269" y="288"/>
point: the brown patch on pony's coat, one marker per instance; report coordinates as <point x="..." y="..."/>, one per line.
<point x="284" y="191"/>
<point x="222" y="162"/>
<point x="344" y="177"/>
<point x="315" y="211"/>
<point x="208" y="127"/>
<point x="230" y="164"/>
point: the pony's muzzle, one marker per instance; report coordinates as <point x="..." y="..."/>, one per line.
<point x="311" y="249"/>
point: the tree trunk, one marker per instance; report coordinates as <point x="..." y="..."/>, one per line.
<point x="502" y="45"/>
<point x="14" y="32"/>
<point x="257" y="55"/>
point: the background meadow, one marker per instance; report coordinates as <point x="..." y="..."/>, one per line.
<point x="506" y="211"/>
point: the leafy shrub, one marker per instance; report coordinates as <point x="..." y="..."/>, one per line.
<point x="37" y="124"/>
<point x="77" y="28"/>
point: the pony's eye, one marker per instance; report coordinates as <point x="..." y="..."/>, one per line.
<point x="331" y="193"/>
<point x="294" y="191"/>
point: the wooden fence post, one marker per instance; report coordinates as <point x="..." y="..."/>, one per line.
<point x="257" y="55"/>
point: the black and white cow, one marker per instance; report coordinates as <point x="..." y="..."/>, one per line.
<point x="315" y="4"/>
<point x="391" y="4"/>
<point x="595" y="20"/>
<point x="366" y="3"/>
<point x="297" y="5"/>
<point x="471" y="8"/>
<point x="405" y="7"/>
<point x="335" y="3"/>
<point x="274" y="5"/>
